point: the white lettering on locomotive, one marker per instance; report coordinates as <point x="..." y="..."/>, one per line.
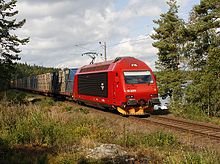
<point x="134" y="65"/>
<point x="132" y="90"/>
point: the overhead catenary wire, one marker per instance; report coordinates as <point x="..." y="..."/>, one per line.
<point x="133" y="40"/>
<point x="81" y="45"/>
<point x="112" y="45"/>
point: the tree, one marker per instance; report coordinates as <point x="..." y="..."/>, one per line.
<point x="202" y="31"/>
<point x="204" y="45"/>
<point x="9" y="42"/>
<point x="169" y="40"/>
<point x="25" y="70"/>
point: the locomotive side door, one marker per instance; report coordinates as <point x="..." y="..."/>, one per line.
<point x="116" y="95"/>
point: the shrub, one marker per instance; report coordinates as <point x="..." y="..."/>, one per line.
<point x="36" y="128"/>
<point x="193" y="158"/>
<point x="160" y="139"/>
<point x="13" y="96"/>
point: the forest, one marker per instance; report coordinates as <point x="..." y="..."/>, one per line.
<point x="189" y="52"/>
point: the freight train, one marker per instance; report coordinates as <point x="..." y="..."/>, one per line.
<point x="125" y="84"/>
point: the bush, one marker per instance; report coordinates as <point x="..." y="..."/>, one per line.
<point x="36" y="128"/>
<point x="158" y="139"/>
<point x="200" y="157"/>
<point x="13" y="96"/>
<point x="161" y="139"/>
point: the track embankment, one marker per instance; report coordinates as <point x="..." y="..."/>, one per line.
<point x="193" y="132"/>
<point x="199" y="129"/>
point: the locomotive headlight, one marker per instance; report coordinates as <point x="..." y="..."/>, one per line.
<point x="130" y="96"/>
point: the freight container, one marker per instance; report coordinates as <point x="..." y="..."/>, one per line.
<point x="62" y="82"/>
<point x="55" y="83"/>
<point x="48" y="82"/>
<point x="70" y="73"/>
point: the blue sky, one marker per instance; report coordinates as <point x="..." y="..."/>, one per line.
<point x="60" y="31"/>
<point x="120" y="5"/>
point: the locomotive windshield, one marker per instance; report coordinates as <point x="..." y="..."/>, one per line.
<point x="138" y="77"/>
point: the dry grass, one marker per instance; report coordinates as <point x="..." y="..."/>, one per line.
<point x="56" y="132"/>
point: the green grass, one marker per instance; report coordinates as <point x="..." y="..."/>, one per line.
<point x="192" y="113"/>
<point x="187" y="155"/>
<point x="51" y="131"/>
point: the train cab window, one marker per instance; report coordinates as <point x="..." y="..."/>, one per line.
<point x="138" y="77"/>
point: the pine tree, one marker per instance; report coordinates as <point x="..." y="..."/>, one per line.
<point x="169" y="40"/>
<point x="9" y="42"/>
<point x="204" y="56"/>
<point x="204" y="20"/>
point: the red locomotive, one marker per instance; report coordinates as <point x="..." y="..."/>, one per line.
<point x="126" y="84"/>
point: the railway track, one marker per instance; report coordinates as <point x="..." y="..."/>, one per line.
<point x="199" y="129"/>
<point x="211" y="132"/>
<point x="207" y="131"/>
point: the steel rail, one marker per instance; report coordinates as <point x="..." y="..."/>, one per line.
<point x="185" y="128"/>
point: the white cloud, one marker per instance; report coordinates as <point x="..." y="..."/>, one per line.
<point x="55" y="26"/>
<point x="141" y="48"/>
<point x="140" y="8"/>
